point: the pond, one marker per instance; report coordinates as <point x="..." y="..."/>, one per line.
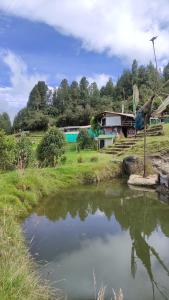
<point x="106" y="235"/>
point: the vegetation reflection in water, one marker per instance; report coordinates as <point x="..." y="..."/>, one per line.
<point x="120" y="234"/>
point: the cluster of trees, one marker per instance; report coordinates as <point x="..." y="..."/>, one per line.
<point x="75" y="103"/>
<point x="17" y="152"/>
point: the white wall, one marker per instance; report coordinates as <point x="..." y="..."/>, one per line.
<point x="108" y="142"/>
<point x="113" y="121"/>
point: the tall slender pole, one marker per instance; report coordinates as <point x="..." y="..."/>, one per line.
<point x="155" y="54"/>
<point x="145" y="133"/>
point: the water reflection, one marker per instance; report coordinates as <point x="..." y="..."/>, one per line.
<point x="115" y="230"/>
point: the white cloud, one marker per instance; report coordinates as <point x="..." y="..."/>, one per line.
<point x="15" y="96"/>
<point x="121" y="28"/>
<point x="100" y="79"/>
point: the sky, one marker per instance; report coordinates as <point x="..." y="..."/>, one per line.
<point x="55" y="39"/>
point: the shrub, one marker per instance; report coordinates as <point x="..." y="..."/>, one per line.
<point x="63" y="159"/>
<point x="94" y="159"/>
<point x="84" y="140"/>
<point x="7" y="151"/>
<point x="24" y="151"/>
<point x="80" y="159"/>
<point x="51" y="147"/>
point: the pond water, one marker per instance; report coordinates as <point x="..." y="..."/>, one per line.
<point x="106" y="235"/>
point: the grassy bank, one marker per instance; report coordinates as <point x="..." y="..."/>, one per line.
<point x="19" y="193"/>
<point x="156" y="145"/>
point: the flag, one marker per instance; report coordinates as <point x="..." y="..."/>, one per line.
<point x="144" y="113"/>
<point x="135" y="98"/>
<point x="161" y="108"/>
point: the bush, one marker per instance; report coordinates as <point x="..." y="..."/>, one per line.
<point x="51" y="147"/>
<point x="63" y="159"/>
<point x="94" y="159"/>
<point x="24" y="151"/>
<point x="7" y="151"/>
<point x="80" y="159"/>
<point x="84" y="140"/>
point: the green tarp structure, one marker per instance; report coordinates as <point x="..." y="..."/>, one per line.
<point x="71" y="137"/>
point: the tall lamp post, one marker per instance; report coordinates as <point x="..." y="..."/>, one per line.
<point x="149" y="105"/>
<point x="153" y="42"/>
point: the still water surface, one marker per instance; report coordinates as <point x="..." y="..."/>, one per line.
<point x="119" y="234"/>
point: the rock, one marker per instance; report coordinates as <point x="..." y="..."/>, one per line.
<point x="132" y="165"/>
<point x="149" y="181"/>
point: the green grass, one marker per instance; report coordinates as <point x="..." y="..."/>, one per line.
<point x="19" y="193"/>
<point x="156" y="145"/>
<point x="18" y="280"/>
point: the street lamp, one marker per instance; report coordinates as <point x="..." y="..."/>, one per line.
<point x="152" y="40"/>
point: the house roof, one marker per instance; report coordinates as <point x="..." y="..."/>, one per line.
<point x="116" y="113"/>
<point x="75" y="127"/>
<point x="105" y="136"/>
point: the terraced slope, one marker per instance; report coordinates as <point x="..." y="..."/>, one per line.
<point x="124" y="145"/>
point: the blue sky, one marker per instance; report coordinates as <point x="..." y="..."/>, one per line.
<point x="54" y="39"/>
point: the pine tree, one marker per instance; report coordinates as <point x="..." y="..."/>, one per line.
<point x="84" y="92"/>
<point x="74" y="92"/>
<point x="134" y="69"/>
<point x="94" y="94"/>
<point x="109" y="88"/>
<point x="166" y="72"/>
<point x="38" y="96"/>
<point x="34" y="102"/>
<point x="62" y="96"/>
<point x="5" y="123"/>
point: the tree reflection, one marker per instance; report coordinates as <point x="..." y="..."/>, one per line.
<point x="138" y="212"/>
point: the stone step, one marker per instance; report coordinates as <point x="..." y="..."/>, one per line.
<point x="122" y="147"/>
<point x="125" y="144"/>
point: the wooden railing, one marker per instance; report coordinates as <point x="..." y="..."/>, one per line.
<point x="128" y="123"/>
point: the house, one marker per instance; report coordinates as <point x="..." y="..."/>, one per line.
<point x="114" y="124"/>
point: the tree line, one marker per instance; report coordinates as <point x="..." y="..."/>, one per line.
<point x="75" y="103"/>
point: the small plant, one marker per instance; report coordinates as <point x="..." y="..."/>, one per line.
<point x="24" y="152"/>
<point x="7" y="151"/>
<point x="63" y="159"/>
<point x="80" y="159"/>
<point x="94" y="159"/>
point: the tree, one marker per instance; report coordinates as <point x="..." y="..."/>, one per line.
<point x="34" y="102"/>
<point x="166" y="72"/>
<point x="109" y="88"/>
<point x="38" y="96"/>
<point x="94" y="94"/>
<point x="153" y="78"/>
<point x="84" y="92"/>
<point x="51" y="147"/>
<point x="84" y="140"/>
<point x="5" y="123"/>
<point x="61" y="96"/>
<point x="134" y="70"/>
<point x="24" y="151"/>
<point x="7" y="151"/>
<point x="74" y="92"/>
<point x="30" y="120"/>
<point x="124" y="87"/>
<point x="43" y="91"/>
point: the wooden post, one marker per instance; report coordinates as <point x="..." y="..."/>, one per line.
<point x="145" y="123"/>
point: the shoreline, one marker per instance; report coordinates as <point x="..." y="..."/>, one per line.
<point x="20" y="193"/>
